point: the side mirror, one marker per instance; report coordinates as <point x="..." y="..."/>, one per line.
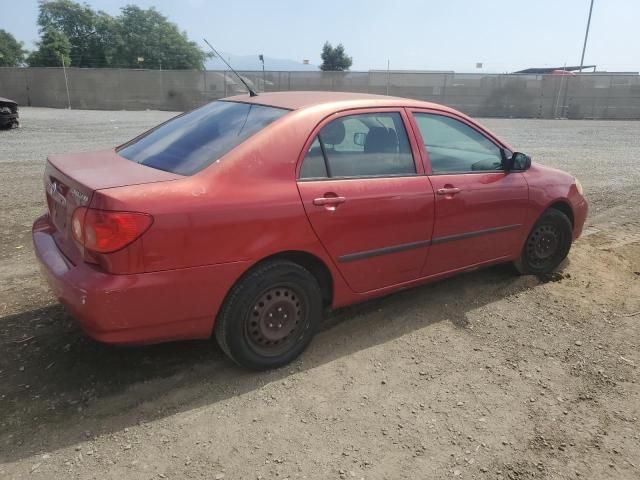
<point x="359" y="138"/>
<point x="518" y="162"/>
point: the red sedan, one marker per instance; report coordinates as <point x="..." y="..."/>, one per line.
<point x="246" y="217"/>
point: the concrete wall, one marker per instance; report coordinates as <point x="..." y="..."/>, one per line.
<point x="528" y="96"/>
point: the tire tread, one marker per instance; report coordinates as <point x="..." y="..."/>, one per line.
<point x="225" y="317"/>
<point x="521" y="265"/>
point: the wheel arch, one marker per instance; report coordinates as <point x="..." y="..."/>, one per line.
<point x="563" y="207"/>
<point x="316" y="266"/>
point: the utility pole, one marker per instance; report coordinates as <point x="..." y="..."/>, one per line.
<point x="264" y="80"/>
<point x="388" y="76"/>
<point x="66" y="82"/>
<point x="555" y="111"/>
<point x="586" y="36"/>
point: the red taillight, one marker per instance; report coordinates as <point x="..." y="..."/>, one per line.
<point x="106" y="231"/>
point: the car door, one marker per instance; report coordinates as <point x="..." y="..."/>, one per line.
<point x="480" y="209"/>
<point x="366" y="196"/>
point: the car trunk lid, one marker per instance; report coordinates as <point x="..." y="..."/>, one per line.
<point x="71" y="180"/>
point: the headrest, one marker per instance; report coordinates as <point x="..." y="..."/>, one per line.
<point x="381" y="140"/>
<point x="333" y="133"/>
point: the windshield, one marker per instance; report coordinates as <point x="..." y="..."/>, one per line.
<point x="190" y="142"/>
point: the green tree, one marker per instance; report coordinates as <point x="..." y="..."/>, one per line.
<point x="334" y="59"/>
<point x="11" y="51"/>
<point x="100" y="40"/>
<point x="53" y="48"/>
<point x="149" y="35"/>
<point x="78" y="23"/>
<point x="105" y="42"/>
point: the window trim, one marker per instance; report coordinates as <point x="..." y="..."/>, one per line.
<point x="360" y="177"/>
<point x="327" y="167"/>
<point x="406" y="122"/>
<point x="425" y="154"/>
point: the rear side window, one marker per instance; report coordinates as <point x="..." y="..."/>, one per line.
<point x="454" y="146"/>
<point x="314" y="165"/>
<point x="364" y="145"/>
<point x="191" y="142"/>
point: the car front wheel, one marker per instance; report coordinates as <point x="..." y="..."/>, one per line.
<point x="270" y="315"/>
<point x="547" y="245"/>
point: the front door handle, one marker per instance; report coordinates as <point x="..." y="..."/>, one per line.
<point x="448" y="191"/>
<point x="329" y="200"/>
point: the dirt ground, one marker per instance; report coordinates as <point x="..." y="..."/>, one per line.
<point x="487" y="375"/>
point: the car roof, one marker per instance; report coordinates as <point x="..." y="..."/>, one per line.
<point x="341" y="100"/>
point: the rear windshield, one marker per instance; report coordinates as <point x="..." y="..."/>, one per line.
<point x="190" y="142"/>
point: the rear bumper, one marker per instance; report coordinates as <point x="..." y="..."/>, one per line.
<point x="138" y="308"/>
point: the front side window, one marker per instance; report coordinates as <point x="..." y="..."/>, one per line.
<point x="368" y="144"/>
<point x="191" y="142"/>
<point x="453" y="146"/>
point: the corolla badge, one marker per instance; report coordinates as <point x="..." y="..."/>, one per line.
<point x="52" y="189"/>
<point x="80" y="197"/>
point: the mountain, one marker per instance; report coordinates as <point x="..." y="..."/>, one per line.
<point x="252" y="62"/>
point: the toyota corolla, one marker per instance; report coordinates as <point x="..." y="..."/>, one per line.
<point x="244" y="219"/>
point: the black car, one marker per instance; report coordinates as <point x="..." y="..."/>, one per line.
<point x="8" y="113"/>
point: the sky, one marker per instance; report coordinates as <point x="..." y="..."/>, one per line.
<point x="505" y="35"/>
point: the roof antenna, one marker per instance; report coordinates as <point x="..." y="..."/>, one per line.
<point x="251" y="92"/>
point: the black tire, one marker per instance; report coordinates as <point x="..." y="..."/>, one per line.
<point x="270" y="316"/>
<point x="547" y="244"/>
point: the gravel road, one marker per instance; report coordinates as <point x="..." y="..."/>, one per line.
<point x="486" y="375"/>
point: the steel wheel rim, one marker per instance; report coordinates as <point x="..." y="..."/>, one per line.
<point x="275" y="320"/>
<point x="543" y="244"/>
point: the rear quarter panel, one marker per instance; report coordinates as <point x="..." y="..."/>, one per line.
<point x="243" y="208"/>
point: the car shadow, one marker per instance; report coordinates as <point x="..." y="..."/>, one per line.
<point x="58" y="387"/>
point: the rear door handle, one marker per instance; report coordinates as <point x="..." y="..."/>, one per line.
<point x="329" y="200"/>
<point x="448" y="191"/>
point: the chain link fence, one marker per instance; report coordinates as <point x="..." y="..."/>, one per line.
<point x="581" y="96"/>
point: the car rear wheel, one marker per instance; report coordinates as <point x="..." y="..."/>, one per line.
<point x="270" y="315"/>
<point x="547" y="245"/>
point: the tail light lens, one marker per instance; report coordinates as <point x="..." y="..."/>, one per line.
<point x="106" y="231"/>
